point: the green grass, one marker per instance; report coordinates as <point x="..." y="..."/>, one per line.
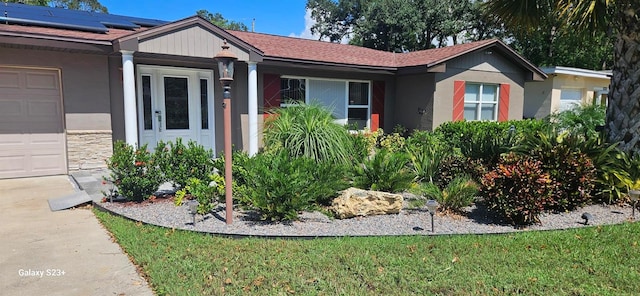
<point x="587" y="261"/>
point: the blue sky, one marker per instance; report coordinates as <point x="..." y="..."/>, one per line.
<point x="279" y="17"/>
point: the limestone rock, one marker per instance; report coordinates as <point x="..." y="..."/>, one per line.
<point x="355" y="202"/>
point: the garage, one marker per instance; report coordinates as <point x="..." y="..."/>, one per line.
<point x="32" y="140"/>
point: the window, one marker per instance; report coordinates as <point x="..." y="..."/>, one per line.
<point x="204" y="103"/>
<point x="176" y="93"/>
<point x="146" y="102"/>
<point x="349" y="101"/>
<point x="292" y="90"/>
<point x="481" y="101"/>
<point x="358" y="108"/>
<point x="570" y="98"/>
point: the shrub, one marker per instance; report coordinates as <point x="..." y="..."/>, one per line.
<point x="281" y="186"/>
<point x="385" y="171"/>
<point x="239" y="175"/>
<point x="453" y="166"/>
<point x="133" y="171"/>
<point x="486" y="140"/>
<point x="308" y="131"/>
<point x="460" y="193"/>
<point x="364" y="143"/>
<point x="393" y="142"/>
<point x="518" y="189"/>
<point x="426" y="152"/>
<point x="613" y="167"/>
<point x="582" y="120"/>
<point x="572" y="170"/>
<point x="179" y="162"/>
<point x="207" y="193"/>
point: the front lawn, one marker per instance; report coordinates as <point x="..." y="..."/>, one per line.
<point x="584" y="261"/>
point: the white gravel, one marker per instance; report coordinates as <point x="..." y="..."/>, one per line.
<point x="407" y="222"/>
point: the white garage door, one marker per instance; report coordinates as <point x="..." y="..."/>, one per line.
<point x="32" y="141"/>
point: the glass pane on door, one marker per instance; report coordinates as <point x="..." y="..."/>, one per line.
<point x="176" y="102"/>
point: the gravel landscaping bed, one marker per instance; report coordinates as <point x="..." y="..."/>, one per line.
<point x="164" y="213"/>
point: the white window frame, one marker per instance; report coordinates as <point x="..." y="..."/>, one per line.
<point x="479" y="103"/>
<point x="346" y="106"/>
<point x="569" y="104"/>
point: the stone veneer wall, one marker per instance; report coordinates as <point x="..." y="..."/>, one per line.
<point x="88" y="149"/>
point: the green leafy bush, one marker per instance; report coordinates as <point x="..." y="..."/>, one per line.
<point x="453" y="166"/>
<point x="518" y="189"/>
<point x="486" y="140"/>
<point x="458" y="194"/>
<point x="364" y="143"/>
<point x="239" y="175"/>
<point x="385" y="171"/>
<point x="582" y="120"/>
<point x="308" y="131"/>
<point x="561" y="157"/>
<point x="180" y="162"/>
<point x="282" y="186"/>
<point x="207" y="193"/>
<point x="133" y="171"/>
<point x="613" y="167"/>
<point x="393" y="142"/>
<point x="426" y="151"/>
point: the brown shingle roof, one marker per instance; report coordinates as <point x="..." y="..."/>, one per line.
<point x="438" y="55"/>
<point x="112" y="34"/>
<point x="318" y="51"/>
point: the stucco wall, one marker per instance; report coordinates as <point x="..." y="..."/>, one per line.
<point x="537" y="98"/>
<point x="543" y="98"/>
<point x="85" y="91"/>
<point x="479" y="67"/>
<point x="414" y="101"/>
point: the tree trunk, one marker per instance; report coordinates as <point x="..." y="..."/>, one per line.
<point x="623" y="111"/>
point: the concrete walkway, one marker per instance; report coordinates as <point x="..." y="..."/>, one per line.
<point x="58" y="253"/>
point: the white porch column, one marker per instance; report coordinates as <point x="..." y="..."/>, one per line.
<point x="253" y="108"/>
<point x="129" y="88"/>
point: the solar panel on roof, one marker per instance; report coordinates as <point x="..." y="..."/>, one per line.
<point x="14" y="13"/>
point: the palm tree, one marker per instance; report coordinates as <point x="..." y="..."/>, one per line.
<point x="619" y="17"/>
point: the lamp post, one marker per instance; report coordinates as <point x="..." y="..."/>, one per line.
<point x="634" y="195"/>
<point x="432" y="205"/>
<point x="225" y="59"/>
<point x="193" y="210"/>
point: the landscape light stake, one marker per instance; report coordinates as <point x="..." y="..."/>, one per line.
<point x="432" y="205"/>
<point x="193" y="210"/>
<point x="225" y="59"/>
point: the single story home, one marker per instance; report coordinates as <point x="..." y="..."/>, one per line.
<point x="73" y="82"/>
<point x="564" y="89"/>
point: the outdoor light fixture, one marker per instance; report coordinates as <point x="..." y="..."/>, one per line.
<point x="432" y="205"/>
<point x="225" y="59"/>
<point x="193" y="210"/>
<point x="634" y="195"/>
<point x="586" y="216"/>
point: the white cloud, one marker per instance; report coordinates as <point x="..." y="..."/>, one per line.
<point x="308" y="23"/>
<point x="306" y="33"/>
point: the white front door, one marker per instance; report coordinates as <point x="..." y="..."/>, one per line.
<point x="175" y="103"/>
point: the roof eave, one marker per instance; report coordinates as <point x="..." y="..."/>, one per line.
<point x="48" y="41"/>
<point x="310" y="63"/>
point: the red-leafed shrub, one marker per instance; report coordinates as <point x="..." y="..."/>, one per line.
<point x="518" y="189"/>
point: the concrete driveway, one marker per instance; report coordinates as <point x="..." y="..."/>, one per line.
<point x="57" y="253"/>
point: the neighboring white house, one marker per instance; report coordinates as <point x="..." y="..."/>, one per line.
<point x="564" y="89"/>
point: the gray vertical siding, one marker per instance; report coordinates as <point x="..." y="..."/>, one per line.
<point x="195" y="41"/>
